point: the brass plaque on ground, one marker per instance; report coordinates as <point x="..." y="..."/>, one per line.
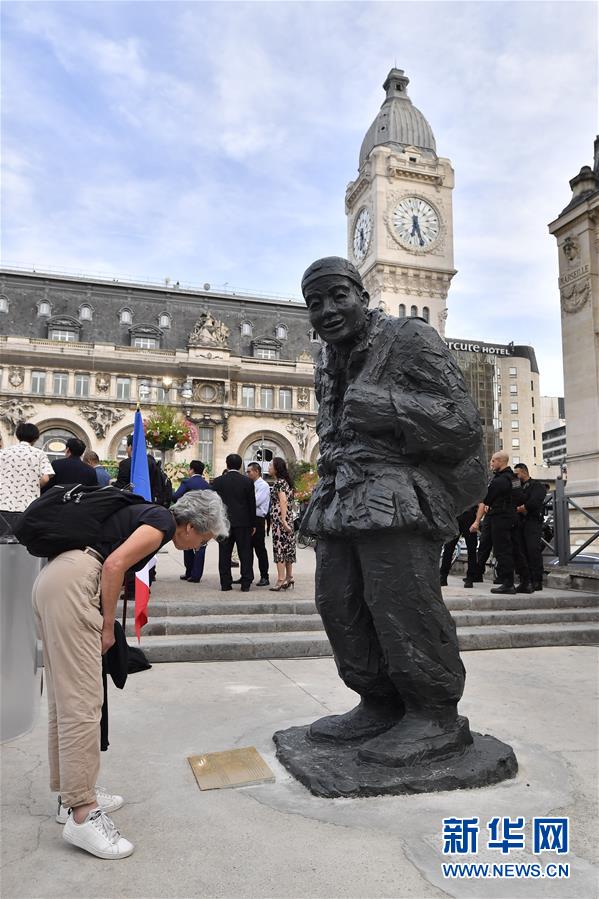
<point x="233" y="768"/>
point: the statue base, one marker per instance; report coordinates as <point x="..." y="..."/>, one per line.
<point x="333" y="770"/>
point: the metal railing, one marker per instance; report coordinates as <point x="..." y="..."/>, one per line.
<point x="561" y="504"/>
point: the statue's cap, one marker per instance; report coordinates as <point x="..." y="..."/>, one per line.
<point x="331" y="265"/>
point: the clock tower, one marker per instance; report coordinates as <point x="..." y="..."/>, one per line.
<point x="399" y="213"/>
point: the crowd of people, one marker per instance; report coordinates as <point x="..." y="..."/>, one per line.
<point x="254" y="508"/>
<point x="508" y="522"/>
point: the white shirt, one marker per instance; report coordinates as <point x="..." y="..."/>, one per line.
<point x="21" y="467"/>
<point x="262" y="497"/>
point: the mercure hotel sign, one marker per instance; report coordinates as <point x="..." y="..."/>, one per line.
<point x="486" y="348"/>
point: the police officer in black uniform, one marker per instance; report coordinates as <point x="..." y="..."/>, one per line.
<point x="465" y="520"/>
<point x="501" y="521"/>
<point x="530" y="522"/>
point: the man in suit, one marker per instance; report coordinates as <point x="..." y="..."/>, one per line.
<point x="193" y="558"/>
<point x="71" y="469"/>
<point x="238" y="494"/>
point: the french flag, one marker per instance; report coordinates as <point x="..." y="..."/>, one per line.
<point x="140" y="480"/>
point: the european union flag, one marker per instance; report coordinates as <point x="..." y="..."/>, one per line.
<point x="140" y="472"/>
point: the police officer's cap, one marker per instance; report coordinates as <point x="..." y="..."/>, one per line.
<point x="331" y="265"/>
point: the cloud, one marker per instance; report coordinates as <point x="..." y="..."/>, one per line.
<point x="214" y="141"/>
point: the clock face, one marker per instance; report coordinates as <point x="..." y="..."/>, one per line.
<point x="362" y="234"/>
<point x="416" y="223"/>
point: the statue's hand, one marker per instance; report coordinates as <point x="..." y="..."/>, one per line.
<point x="368" y="408"/>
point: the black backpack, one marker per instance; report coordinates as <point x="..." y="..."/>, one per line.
<point x="66" y="517"/>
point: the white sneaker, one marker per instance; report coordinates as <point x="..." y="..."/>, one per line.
<point x="106" y="801"/>
<point x="98" y="835"/>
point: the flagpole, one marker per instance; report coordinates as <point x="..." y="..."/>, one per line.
<point x="125" y="592"/>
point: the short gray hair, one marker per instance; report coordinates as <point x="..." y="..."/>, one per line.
<point x="204" y="510"/>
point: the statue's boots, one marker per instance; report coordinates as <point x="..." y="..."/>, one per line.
<point x="417" y="739"/>
<point x="369" y="718"/>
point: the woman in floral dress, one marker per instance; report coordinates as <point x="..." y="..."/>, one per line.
<point x="283" y="534"/>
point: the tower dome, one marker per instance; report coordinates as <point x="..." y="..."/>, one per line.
<point x="398" y="122"/>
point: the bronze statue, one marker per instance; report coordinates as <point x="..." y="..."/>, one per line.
<point x="400" y="442"/>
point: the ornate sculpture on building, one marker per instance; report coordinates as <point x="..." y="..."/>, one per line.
<point x="571" y="249"/>
<point x="14" y="411"/>
<point x="400" y="439"/>
<point x="303" y="396"/>
<point x="305" y="356"/>
<point x="16" y="376"/>
<point x="208" y="332"/>
<point x="301" y="430"/>
<point x="101" y="418"/>
<point x="207" y="392"/>
<point x="575" y="296"/>
<point x="102" y="382"/>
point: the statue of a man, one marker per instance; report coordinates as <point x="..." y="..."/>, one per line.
<point x="399" y="443"/>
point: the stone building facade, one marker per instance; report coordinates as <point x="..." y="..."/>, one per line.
<point x="504" y="382"/>
<point x="576" y="231"/>
<point x="78" y="355"/>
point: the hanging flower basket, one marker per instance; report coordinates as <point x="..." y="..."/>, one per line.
<point x="167" y="429"/>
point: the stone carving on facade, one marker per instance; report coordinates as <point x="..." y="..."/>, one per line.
<point x="206" y="421"/>
<point x="305" y="356"/>
<point x="303" y="396"/>
<point x="442" y="318"/>
<point x="208" y="331"/>
<point x="102" y="382"/>
<point x="101" y="418"/>
<point x="207" y="392"/>
<point x="575" y="296"/>
<point x="571" y="249"/>
<point x="16" y="376"/>
<point x="301" y="430"/>
<point x="14" y="411"/>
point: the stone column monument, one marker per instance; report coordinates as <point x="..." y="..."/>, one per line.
<point x="576" y="230"/>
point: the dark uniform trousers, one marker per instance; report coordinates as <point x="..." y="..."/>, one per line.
<point x="259" y="547"/>
<point x="529" y="533"/>
<point x="471" y="544"/>
<point x="496" y="534"/>
<point x="380" y="601"/>
<point x="242" y="538"/>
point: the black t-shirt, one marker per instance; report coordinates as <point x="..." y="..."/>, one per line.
<point x="121" y="525"/>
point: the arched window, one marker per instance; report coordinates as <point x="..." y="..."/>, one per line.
<point x="54" y="442"/>
<point x="281" y="332"/>
<point x="414" y="311"/>
<point x="426" y="313"/>
<point x="402" y="310"/>
<point x="263" y="451"/>
<point x="247" y="329"/>
<point x="3" y="304"/>
<point x="43" y="307"/>
<point x="164" y="320"/>
<point x="126" y="316"/>
<point x="85" y="312"/>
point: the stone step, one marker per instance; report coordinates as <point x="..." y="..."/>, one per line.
<point x="220" y="624"/>
<point x="311" y="644"/>
<point x="228" y="624"/>
<point x="160" y="608"/>
<point x="542" y="600"/>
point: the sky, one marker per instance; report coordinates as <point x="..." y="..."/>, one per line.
<point x="213" y="142"/>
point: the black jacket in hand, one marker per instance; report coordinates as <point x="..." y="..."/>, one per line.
<point x="533" y="498"/>
<point x="400" y="438"/>
<point x="239" y="496"/>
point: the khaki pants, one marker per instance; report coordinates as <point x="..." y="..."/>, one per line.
<point x="66" y="600"/>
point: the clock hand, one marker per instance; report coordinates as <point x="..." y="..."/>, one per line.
<point x="416" y="230"/>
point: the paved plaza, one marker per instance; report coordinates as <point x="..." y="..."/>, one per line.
<point x="276" y="840"/>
